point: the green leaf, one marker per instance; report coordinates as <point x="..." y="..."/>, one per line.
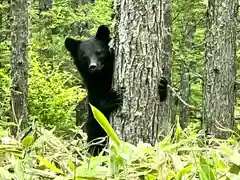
<point x="178" y="131"/>
<point x="27" y="142"/>
<point x="222" y="166"/>
<point x="71" y="165"/>
<point x="186" y="170"/>
<point x="206" y="172"/>
<point x="5" y="174"/>
<point x="232" y="176"/>
<point x="49" y="164"/>
<point x="177" y="163"/>
<point x="235" y="158"/>
<point x="102" y="120"/>
<point x="227" y="150"/>
<point x="18" y="169"/>
<point x="234" y="169"/>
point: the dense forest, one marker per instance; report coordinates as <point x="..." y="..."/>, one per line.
<point x="190" y="47"/>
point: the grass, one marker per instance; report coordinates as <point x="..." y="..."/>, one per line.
<point x="188" y="155"/>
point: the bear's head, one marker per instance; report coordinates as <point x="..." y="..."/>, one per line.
<point x="90" y="54"/>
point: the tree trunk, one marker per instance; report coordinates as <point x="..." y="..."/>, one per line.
<point x="4" y="24"/>
<point x="19" y="63"/>
<point x="45" y="5"/>
<point x="184" y="93"/>
<point x="188" y="37"/>
<point x="220" y="67"/>
<point x="76" y="3"/>
<point x="46" y="32"/>
<point x="143" y="54"/>
<point x="80" y="28"/>
<point x="81" y="111"/>
<point x="165" y="116"/>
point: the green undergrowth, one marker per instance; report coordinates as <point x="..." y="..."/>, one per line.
<point x="186" y="155"/>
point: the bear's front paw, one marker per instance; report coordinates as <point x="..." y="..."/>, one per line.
<point x="162" y="88"/>
<point x="116" y="98"/>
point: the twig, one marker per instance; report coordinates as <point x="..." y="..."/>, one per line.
<point x="237" y="118"/>
<point x="179" y="97"/>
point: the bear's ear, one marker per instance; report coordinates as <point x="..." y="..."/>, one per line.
<point x="103" y="33"/>
<point x="72" y="45"/>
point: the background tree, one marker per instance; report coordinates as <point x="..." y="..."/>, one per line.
<point x="45" y="5"/>
<point x="45" y="20"/>
<point x="19" y="63"/>
<point x="143" y="55"/>
<point x="166" y="118"/>
<point x="187" y="68"/>
<point x="188" y="31"/>
<point x="220" y="67"/>
<point x="76" y="3"/>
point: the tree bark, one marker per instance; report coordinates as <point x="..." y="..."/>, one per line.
<point x="19" y="63"/>
<point x="220" y="67"/>
<point x="143" y="54"/>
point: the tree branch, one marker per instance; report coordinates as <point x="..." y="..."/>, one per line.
<point x="179" y="97"/>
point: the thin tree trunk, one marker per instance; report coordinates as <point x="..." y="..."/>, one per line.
<point x="19" y="63"/>
<point x="166" y="117"/>
<point x="80" y="28"/>
<point x="188" y="36"/>
<point x="46" y="33"/>
<point x="76" y="3"/>
<point x="45" y="5"/>
<point x="184" y="93"/>
<point x="81" y="111"/>
<point x="143" y="54"/>
<point x="220" y="67"/>
<point x="4" y="22"/>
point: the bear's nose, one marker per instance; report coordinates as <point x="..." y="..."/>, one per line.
<point x="92" y="67"/>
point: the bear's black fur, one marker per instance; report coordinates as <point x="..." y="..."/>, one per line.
<point x="95" y="63"/>
<point x="162" y="89"/>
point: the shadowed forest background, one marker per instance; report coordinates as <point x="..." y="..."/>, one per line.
<point x="197" y="129"/>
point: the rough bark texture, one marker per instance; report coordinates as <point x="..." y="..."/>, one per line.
<point x="19" y="63"/>
<point x="143" y="54"/>
<point x="220" y="67"/>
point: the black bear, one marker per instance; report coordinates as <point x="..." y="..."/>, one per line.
<point x="95" y="62"/>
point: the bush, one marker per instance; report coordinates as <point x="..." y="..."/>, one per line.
<point x="52" y="96"/>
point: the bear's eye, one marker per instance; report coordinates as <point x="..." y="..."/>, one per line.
<point x="99" y="52"/>
<point x="84" y="57"/>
